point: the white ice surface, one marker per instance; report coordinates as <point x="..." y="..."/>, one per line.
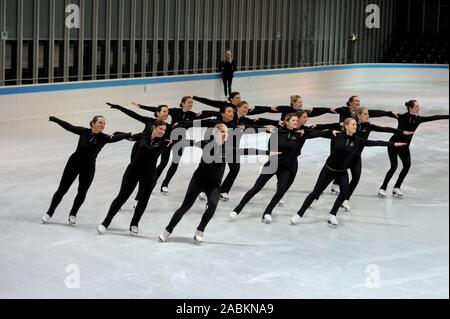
<point x="406" y="240"/>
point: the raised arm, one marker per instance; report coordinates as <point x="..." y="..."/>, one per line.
<point x="148" y="108"/>
<point x="78" y="130"/>
<point x="331" y="126"/>
<point x="311" y="134"/>
<point x="264" y="122"/>
<point x="128" y="112"/>
<point x="215" y="104"/>
<point x="260" y="110"/>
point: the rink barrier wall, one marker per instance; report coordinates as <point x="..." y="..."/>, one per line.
<point x="200" y="77"/>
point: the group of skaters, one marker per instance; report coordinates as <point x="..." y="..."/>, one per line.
<point x="226" y="126"/>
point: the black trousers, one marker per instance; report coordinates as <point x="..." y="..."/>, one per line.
<point x="405" y="156"/>
<point x="227" y="82"/>
<point x="325" y="179"/>
<point x="85" y="173"/>
<point x="175" y="162"/>
<point x="285" y="179"/>
<point x="196" y="186"/>
<point x="133" y="175"/>
<point x="228" y="183"/>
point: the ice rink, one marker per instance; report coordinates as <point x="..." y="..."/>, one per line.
<point x="383" y="249"/>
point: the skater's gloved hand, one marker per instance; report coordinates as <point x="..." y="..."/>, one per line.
<point x="51" y="118"/>
<point x="396" y="114"/>
<point x="113" y="106"/>
<point x="135" y="104"/>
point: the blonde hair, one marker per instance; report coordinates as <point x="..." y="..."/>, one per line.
<point x="295" y="98"/>
<point x="347" y="122"/>
<point x="358" y="113"/>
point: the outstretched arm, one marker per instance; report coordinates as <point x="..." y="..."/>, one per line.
<point x="383" y="129"/>
<point x="118" y="136"/>
<point x="215" y="104"/>
<point x="128" y="112"/>
<point x="147" y="108"/>
<point x="426" y="119"/>
<point x="319" y="111"/>
<point x="78" y="130"/>
<point x="381" y="113"/>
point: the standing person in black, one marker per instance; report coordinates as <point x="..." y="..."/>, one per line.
<point x="289" y="141"/>
<point x="408" y="122"/>
<point x="142" y="170"/>
<point x="353" y="105"/>
<point x="81" y="164"/>
<point x="181" y="114"/>
<point x="227" y="67"/>
<point x="346" y="146"/>
<point x="207" y="179"/>
<point x="161" y="114"/>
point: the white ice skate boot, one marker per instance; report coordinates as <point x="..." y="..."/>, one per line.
<point x="45" y="219"/>
<point x="382" y="193"/>
<point x="267" y="219"/>
<point x="101" y="229"/>
<point x="335" y="189"/>
<point x="134" y="231"/>
<point x="332" y="221"/>
<point x="346" y="206"/>
<point x="397" y="193"/>
<point x="164" y="236"/>
<point x="165" y="191"/>
<point x="202" y="196"/>
<point x="72" y="220"/>
<point x="224" y="197"/>
<point x="233" y="216"/>
<point x="198" y="236"/>
<point x="295" y="220"/>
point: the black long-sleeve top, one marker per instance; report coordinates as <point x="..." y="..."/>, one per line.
<point x="214" y="159"/>
<point x="410" y="123"/>
<point x="177" y="114"/>
<point x="147" y="151"/>
<point x="89" y="144"/>
<point x="285" y="110"/>
<point x="364" y="129"/>
<point x="344" y="113"/>
<point x="221" y="104"/>
<point x="345" y="149"/>
<point x="290" y="143"/>
<point x="227" y="68"/>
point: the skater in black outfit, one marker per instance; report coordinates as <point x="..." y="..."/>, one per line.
<point x="82" y="163"/>
<point x="285" y="166"/>
<point x="346" y="146"/>
<point x="364" y="130"/>
<point x="181" y="114"/>
<point x="207" y="179"/>
<point x="240" y="125"/>
<point x="353" y="105"/>
<point x="161" y="114"/>
<point x="142" y="170"/>
<point x="227" y="67"/>
<point x="409" y="122"/>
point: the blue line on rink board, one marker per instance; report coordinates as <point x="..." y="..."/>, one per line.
<point x="202" y="77"/>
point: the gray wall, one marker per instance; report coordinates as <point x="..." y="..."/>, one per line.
<point x="138" y="38"/>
